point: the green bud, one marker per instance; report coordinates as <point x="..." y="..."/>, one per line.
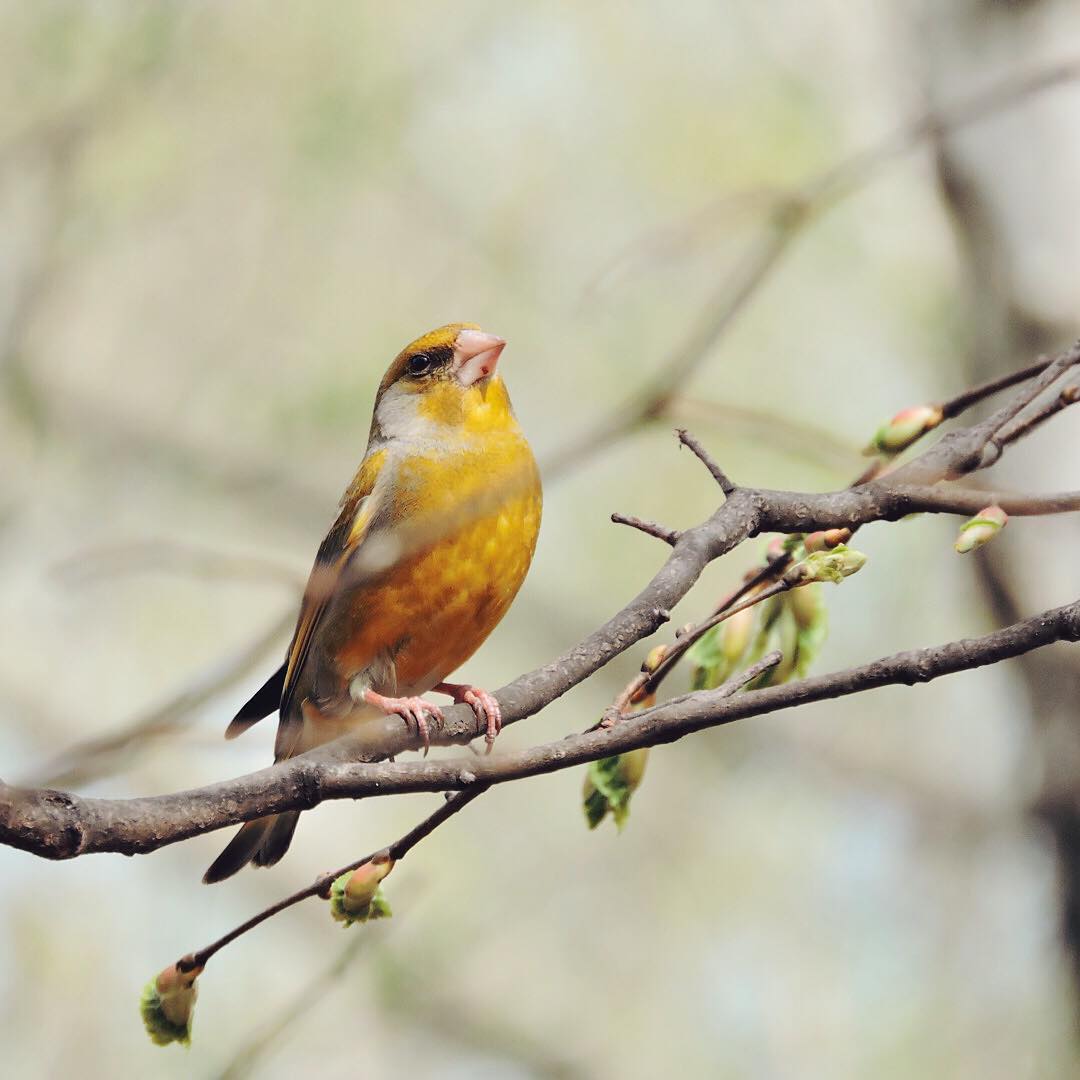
<point x="609" y="783"/>
<point x="834" y="566"/>
<point x="708" y="666"/>
<point x="356" y="895"/>
<point x="167" y="1004"/>
<point x="903" y="429"/>
<point x="735" y="633"/>
<point x="807" y="605"/>
<point x="980" y="529"/>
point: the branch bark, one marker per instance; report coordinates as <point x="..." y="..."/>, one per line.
<point x="57" y="825"/>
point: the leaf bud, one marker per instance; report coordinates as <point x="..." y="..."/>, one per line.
<point x="904" y="428"/>
<point x="356" y="896"/>
<point x="167" y="1005"/>
<point x="980" y="529"/>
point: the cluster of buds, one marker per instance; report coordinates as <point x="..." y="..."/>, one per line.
<point x="980" y="529"/>
<point x="904" y="428"/>
<point x="167" y="1005"/>
<point x="356" y="895"/>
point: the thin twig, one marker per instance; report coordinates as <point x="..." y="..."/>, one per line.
<point x="652" y="528"/>
<point x="95" y="758"/>
<point x="321" y="885"/>
<point x="310" y="996"/>
<point x="398" y="850"/>
<point x="1023" y="426"/>
<point x="954" y="406"/>
<point x="172" y="556"/>
<point x="703" y="455"/>
<point x="781" y="433"/>
<point x="646" y="683"/>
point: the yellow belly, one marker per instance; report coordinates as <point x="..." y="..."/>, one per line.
<point x="434" y="608"/>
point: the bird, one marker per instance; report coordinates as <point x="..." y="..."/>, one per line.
<point x="433" y="539"/>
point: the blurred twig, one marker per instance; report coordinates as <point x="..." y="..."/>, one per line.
<point x="764" y="428"/>
<point x="173" y="556"/>
<point x="311" y="994"/>
<point x="56" y="144"/>
<point x="791" y="215"/>
<point x="424" y="1007"/>
<point x="94" y="758"/>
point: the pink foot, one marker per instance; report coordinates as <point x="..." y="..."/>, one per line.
<point x="412" y="710"/>
<point x="482" y="703"/>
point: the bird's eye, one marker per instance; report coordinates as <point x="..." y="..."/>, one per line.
<point x="419" y="363"/>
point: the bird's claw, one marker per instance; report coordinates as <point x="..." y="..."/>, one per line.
<point x="415" y="711"/>
<point x="487" y="710"/>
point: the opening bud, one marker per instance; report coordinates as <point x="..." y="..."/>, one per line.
<point x="904" y="428"/>
<point x="356" y="895"/>
<point x="980" y="529"/>
<point x="167" y="1005"/>
<point x="609" y="783"/>
<point x="834" y="566"/>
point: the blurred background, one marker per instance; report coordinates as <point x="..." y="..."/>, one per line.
<point x="218" y="223"/>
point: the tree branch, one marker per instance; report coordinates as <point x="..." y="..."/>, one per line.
<point x="43" y="821"/>
<point x="59" y="825"/>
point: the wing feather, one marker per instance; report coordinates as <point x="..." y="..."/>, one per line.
<point x="358" y="507"/>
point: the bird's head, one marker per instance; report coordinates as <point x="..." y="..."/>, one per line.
<point x="444" y="379"/>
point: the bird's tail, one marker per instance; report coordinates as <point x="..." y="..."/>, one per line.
<point x="262" y="842"/>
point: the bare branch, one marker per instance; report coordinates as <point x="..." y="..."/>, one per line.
<point x="669" y="536"/>
<point x="703" y="455"/>
<point x="1023" y="426"/>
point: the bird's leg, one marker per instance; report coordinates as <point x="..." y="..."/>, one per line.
<point x="482" y="703"/>
<point x="414" y="709"/>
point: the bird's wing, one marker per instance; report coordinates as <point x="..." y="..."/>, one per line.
<point x="359" y="508"/>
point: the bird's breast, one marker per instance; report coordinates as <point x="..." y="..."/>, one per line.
<point x="466" y="524"/>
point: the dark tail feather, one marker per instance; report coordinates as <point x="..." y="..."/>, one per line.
<point x="278" y="838"/>
<point x="263" y="702"/>
<point x="262" y="841"/>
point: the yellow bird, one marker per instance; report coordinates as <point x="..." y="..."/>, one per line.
<point x="434" y="538"/>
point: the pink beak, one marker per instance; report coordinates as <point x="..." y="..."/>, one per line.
<point x="475" y="355"/>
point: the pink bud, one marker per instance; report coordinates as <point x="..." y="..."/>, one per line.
<point x="826" y="539"/>
<point x="904" y="428"/>
<point x="980" y="529"/>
